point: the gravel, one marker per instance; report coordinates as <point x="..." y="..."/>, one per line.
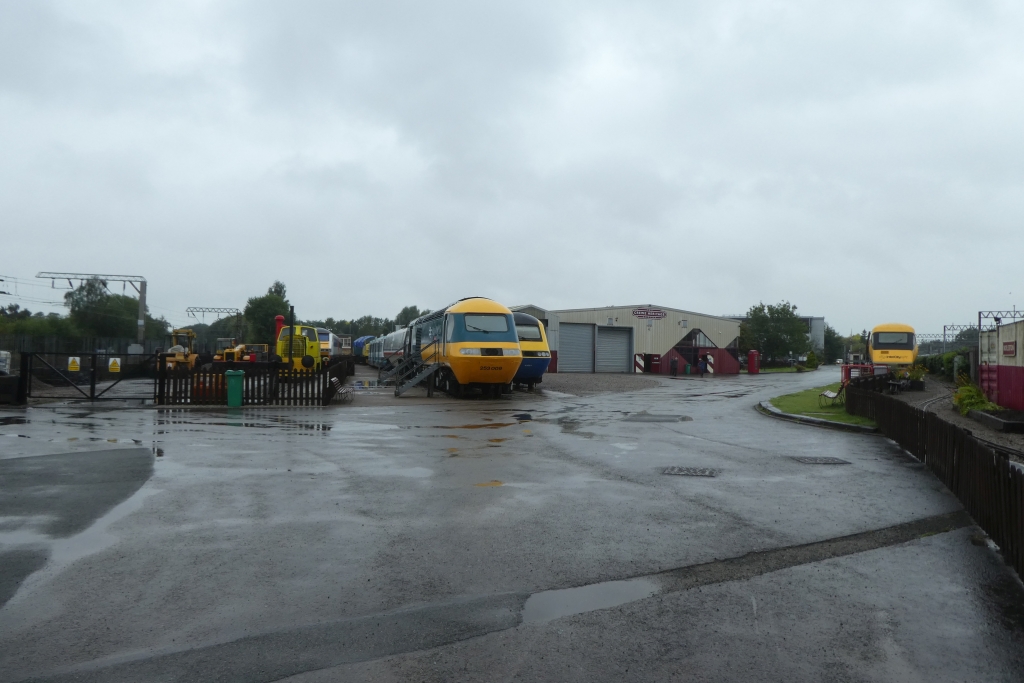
<point x="943" y="390"/>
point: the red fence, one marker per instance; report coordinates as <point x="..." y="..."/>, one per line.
<point x="987" y="482"/>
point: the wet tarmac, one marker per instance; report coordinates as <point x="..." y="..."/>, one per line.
<point x="535" y="537"/>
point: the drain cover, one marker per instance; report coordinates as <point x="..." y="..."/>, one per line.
<point x="820" y="461"/>
<point x="691" y="471"/>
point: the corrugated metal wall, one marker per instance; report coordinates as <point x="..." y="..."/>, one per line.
<point x="662" y="334"/>
<point x="613" y="346"/>
<point x="576" y="348"/>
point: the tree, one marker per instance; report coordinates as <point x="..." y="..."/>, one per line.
<point x="98" y="313"/>
<point x="834" y="345"/>
<point x="775" y="330"/>
<point x="408" y="314"/>
<point x="260" y="312"/>
<point x="968" y="337"/>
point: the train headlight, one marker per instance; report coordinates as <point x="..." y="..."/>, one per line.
<point x="510" y="352"/>
<point x="470" y="352"/>
<point x="543" y="354"/>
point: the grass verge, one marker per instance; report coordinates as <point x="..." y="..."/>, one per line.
<point x="806" y="403"/>
<point x="790" y="369"/>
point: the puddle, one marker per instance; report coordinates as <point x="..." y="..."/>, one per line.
<point x="654" y="417"/>
<point x="523" y="417"/>
<point x="366" y="384"/>
<point x="13" y="421"/>
<point x="496" y="425"/>
<point x="548" y="605"/>
<point x="493" y="482"/>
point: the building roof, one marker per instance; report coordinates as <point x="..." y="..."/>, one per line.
<point x="663" y="308"/>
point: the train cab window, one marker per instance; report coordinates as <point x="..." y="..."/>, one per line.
<point x="325" y="336"/>
<point x="529" y="333"/>
<point x="310" y="334"/>
<point x="449" y="325"/>
<point x="483" y="322"/>
<point x="285" y="333"/>
<point x="894" y="340"/>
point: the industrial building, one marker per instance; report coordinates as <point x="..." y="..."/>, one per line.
<point x="1002" y="364"/>
<point x="643" y="338"/>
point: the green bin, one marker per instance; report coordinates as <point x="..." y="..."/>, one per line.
<point x="234" y="382"/>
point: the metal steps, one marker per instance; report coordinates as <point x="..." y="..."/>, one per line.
<point x="424" y="372"/>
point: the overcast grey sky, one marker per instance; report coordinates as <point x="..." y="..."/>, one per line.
<point x="862" y="160"/>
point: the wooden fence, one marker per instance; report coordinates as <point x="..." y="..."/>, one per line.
<point x="982" y="476"/>
<point x="262" y="386"/>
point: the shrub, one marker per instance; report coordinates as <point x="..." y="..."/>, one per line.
<point x="969" y="397"/>
<point x="812" y="361"/>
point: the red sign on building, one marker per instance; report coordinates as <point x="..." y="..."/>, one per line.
<point x="1010" y="348"/>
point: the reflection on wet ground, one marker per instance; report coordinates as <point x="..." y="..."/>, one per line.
<point x="554" y="604"/>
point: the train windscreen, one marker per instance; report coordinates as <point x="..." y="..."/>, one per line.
<point x="894" y="340"/>
<point x="529" y="333"/>
<point x="481" y="322"/>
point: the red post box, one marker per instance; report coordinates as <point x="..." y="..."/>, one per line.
<point x="753" y="362"/>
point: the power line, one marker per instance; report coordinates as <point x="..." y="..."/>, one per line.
<point x="137" y="282"/>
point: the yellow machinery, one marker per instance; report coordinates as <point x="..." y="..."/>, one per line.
<point x="228" y="350"/>
<point x="303" y="347"/>
<point x="892" y="344"/>
<point x="181" y="353"/>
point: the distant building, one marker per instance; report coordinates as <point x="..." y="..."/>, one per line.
<point x="642" y="338"/>
<point x="815" y="331"/>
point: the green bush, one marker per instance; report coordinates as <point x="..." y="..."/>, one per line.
<point x="969" y="397"/>
<point x="942" y="364"/>
<point x="812" y="361"/>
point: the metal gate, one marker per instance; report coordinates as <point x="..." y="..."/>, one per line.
<point x="613" y="349"/>
<point x="90" y="376"/>
<point x="576" y="348"/>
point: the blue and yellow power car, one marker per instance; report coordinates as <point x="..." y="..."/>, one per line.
<point x="533" y="342"/>
<point x="475" y="342"/>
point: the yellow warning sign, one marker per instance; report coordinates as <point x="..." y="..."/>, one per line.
<point x="74" y="364"/>
<point x="114" y="365"/>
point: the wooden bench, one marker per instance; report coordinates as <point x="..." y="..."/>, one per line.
<point x="832" y="398"/>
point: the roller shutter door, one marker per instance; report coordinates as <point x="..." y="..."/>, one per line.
<point x="575" y="348"/>
<point x="613" y="349"/>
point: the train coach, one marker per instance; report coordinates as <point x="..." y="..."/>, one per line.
<point x="475" y="342"/>
<point x="388" y="350"/>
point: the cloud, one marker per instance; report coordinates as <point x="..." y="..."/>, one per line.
<point x="861" y="161"/>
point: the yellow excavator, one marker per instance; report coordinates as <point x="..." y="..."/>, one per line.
<point x="181" y="353"/>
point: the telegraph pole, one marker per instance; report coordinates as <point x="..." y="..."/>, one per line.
<point x="137" y="282"/>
